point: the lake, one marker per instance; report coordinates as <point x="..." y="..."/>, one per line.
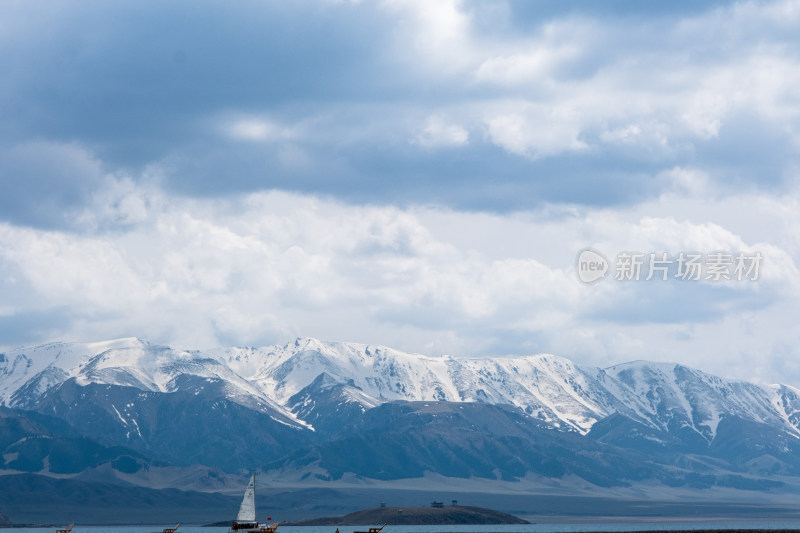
<point x="648" y="525"/>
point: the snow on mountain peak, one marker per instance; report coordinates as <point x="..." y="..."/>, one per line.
<point x="547" y="387"/>
<point x="693" y="398"/>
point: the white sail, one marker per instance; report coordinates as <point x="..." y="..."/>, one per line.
<point x="247" y="511"/>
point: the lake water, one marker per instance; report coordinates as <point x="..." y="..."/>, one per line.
<point x="649" y="525"/>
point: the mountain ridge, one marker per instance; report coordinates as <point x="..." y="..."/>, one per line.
<point x="315" y="410"/>
<point x="550" y="388"/>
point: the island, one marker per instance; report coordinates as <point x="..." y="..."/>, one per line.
<point x="394" y="516"/>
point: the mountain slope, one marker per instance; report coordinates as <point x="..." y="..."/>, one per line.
<point x="677" y="398"/>
<point x="30" y="442"/>
<point x="549" y="388"/>
<point x="29" y="373"/>
<point x="316" y="409"/>
<point x="194" y="426"/>
<point x="408" y="439"/>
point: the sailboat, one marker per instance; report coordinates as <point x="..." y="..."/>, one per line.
<point x="246" y="519"/>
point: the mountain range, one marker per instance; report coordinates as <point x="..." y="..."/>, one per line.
<point x="127" y="411"/>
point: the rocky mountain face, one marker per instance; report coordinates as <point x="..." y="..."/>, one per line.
<point x="31" y="442"/>
<point x="320" y="410"/>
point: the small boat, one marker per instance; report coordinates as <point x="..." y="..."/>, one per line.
<point x="66" y="529"/>
<point x="171" y="529"/>
<point x="246" y="518"/>
<point x="372" y="529"/>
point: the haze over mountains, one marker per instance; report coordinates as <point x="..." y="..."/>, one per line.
<point x="126" y="411"/>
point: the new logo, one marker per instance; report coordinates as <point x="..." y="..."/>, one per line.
<point x="592" y="266"/>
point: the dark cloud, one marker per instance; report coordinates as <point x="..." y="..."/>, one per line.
<point x="131" y="78"/>
<point x="479" y="177"/>
<point x="526" y="13"/>
<point x="671" y="302"/>
<point x="43" y="182"/>
<point x="140" y="84"/>
<point x="749" y="151"/>
<point x="30" y="326"/>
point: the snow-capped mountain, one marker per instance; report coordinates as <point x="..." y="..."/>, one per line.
<point x="673" y="396"/>
<point x="548" y="388"/>
<point x="26" y="374"/>
<point x="324" y="409"/>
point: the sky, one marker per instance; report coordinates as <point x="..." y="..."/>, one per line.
<point x="418" y="174"/>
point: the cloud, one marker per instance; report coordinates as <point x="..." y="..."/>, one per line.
<point x="43" y="181"/>
<point x="262" y="267"/>
<point x="257" y="128"/>
<point x="438" y="133"/>
<point x="438" y="33"/>
<point x="536" y="131"/>
<point x="411" y="173"/>
<point x="337" y="98"/>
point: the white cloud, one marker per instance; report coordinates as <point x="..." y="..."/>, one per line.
<point x="259" y="129"/>
<point x="575" y="83"/>
<point x="437" y="133"/>
<point x="264" y="267"/>
<point x="688" y="181"/>
<point x="535" y="130"/>
<point x="525" y="67"/>
<point x="438" y="32"/>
